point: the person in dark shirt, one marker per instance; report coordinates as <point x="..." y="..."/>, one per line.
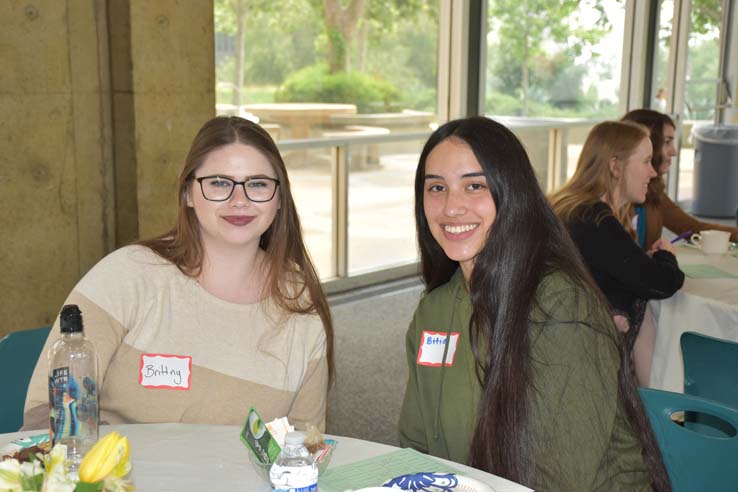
<point x="596" y="204"/>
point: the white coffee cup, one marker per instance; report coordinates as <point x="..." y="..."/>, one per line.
<point x="712" y="242"/>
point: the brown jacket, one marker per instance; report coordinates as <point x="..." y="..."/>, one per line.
<point x="668" y="214"/>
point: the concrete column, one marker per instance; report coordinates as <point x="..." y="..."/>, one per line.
<point x="55" y="159"/>
<point x="163" y="69"/>
<point x="99" y="101"/>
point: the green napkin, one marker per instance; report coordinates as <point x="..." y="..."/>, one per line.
<point x="373" y="472"/>
<point x="705" y="271"/>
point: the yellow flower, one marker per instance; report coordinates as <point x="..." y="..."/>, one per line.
<point x="109" y="454"/>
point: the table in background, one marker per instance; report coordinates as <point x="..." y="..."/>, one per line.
<point x="704" y="305"/>
<point x="298" y="120"/>
<point x="197" y="458"/>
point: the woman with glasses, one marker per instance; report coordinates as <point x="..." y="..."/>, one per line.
<point x="514" y="362"/>
<point x="223" y="312"/>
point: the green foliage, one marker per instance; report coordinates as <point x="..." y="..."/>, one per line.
<point x="706" y="16"/>
<point x="277" y="42"/>
<point x="338" y="44"/>
<point x="533" y="55"/>
<point x="406" y="55"/>
<point x="501" y="104"/>
<point x="396" y="40"/>
<point x="702" y="75"/>
<point x="315" y="84"/>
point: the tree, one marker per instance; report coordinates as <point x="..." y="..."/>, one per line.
<point x="340" y="25"/>
<point x="345" y="18"/>
<point x="524" y="27"/>
<point x="706" y="16"/>
<point x="269" y="38"/>
<point x="283" y="37"/>
<point x="230" y="18"/>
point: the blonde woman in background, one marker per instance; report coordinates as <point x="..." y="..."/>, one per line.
<point x="596" y="204"/>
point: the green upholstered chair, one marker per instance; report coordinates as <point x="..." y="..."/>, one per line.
<point x="19" y="353"/>
<point x="710" y="367"/>
<point x="693" y="460"/>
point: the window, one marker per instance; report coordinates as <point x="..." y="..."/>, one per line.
<point x="553" y="69"/>
<point x="691" y="52"/>
<point x="660" y="86"/>
<point x="700" y="89"/>
<point x="350" y="103"/>
<point x="356" y="81"/>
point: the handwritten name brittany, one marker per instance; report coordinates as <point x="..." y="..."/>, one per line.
<point x="151" y="370"/>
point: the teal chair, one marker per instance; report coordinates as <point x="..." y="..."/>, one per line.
<point x="694" y="461"/>
<point x="19" y="352"/>
<point x="710" y="368"/>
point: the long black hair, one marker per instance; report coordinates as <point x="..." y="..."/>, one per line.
<point x="527" y="241"/>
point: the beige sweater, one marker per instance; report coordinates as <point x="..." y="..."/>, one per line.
<point x="133" y="303"/>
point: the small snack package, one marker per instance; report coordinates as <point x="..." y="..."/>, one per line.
<point x="279" y="428"/>
<point x="265" y="441"/>
<point x="321" y="449"/>
<point x="259" y="440"/>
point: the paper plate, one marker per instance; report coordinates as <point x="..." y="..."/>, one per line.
<point x="437" y="482"/>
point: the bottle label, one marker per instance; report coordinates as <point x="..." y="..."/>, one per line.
<point x="309" y="488"/>
<point x="73" y="405"/>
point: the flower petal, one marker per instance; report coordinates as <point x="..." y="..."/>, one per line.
<point x="101" y="459"/>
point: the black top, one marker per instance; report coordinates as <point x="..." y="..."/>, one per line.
<point x="622" y="270"/>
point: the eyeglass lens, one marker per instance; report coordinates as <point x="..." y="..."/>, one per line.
<point x="257" y="189"/>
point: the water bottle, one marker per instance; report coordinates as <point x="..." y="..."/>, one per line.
<point x="294" y="469"/>
<point x="73" y="388"/>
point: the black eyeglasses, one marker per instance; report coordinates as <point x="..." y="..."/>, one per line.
<point x="220" y="189"/>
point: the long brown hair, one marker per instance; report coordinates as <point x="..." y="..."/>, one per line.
<point x="655" y="122"/>
<point x="528" y="242"/>
<point x="593" y="178"/>
<point x="290" y="272"/>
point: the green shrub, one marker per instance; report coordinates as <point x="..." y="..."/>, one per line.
<point x="314" y="84"/>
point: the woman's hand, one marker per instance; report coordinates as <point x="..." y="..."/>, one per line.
<point x="662" y="244"/>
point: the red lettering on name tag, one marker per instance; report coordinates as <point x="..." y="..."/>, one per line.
<point x="432" y="346"/>
<point x="164" y="371"/>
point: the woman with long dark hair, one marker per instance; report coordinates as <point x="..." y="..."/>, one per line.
<point x="515" y="366"/>
<point x="659" y="211"/>
<point x="228" y="299"/>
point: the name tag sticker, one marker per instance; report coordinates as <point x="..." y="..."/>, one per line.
<point x="162" y="371"/>
<point x="432" y="346"/>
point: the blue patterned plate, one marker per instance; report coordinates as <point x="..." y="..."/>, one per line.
<point x="436" y="482"/>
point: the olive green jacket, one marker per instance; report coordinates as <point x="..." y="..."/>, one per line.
<point x="581" y="438"/>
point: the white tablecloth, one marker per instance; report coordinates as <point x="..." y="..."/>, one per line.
<point x="708" y="306"/>
<point x="209" y="458"/>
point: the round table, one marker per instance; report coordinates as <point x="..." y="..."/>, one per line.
<point x="708" y="304"/>
<point x="188" y="457"/>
